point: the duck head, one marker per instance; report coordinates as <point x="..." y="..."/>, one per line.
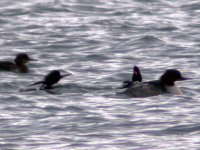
<point x="171" y="76"/>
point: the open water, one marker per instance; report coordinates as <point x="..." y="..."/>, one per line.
<point x="99" y="41"/>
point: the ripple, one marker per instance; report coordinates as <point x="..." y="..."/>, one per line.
<point x="182" y="129"/>
<point x="193" y="6"/>
<point x="150" y="39"/>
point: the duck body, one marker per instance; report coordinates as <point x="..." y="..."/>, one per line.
<point x="145" y="89"/>
<point x="7" y="66"/>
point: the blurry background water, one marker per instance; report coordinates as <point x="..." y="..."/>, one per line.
<point x="99" y="42"/>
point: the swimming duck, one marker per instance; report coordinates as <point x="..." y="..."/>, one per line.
<point x="165" y="84"/>
<point x="50" y="79"/>
<point x="19" y="63"/>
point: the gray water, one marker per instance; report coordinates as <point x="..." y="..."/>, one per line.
<point x="99" y="42"/>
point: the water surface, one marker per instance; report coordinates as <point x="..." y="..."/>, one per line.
<point x="99" y="42"/>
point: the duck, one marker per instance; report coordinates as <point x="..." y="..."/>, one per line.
<point x="50" y="79"/>
<point x="19" y="63"/>
<point x="164" y="85"/>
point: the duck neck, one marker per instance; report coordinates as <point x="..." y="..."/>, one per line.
<point x="173" y="90"/>
<point x="22" y="67"/>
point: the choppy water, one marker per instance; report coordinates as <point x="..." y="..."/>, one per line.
<point x="99" y="42"/>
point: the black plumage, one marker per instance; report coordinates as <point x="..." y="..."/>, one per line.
<point x="50" y="79"/>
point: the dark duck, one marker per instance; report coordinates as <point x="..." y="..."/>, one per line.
<point x="136" y="77"/>
<point x="49" y="80"/>
<point x="165" y="85"/>
<point x="18" y="64"/>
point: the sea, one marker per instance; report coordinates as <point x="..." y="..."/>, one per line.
<point x="99" y="42"/>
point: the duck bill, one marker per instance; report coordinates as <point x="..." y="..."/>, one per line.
<point x="31" y="59"/>
<point x="65" y="75"/>
<point x="183" y="78"/>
